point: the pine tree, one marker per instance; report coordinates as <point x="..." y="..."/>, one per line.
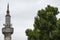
<point x="46" y="25"/>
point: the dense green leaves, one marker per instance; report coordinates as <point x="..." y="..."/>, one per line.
<point x="46" y="25"/>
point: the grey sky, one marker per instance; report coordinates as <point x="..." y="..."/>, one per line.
<point x="22" y="15"/>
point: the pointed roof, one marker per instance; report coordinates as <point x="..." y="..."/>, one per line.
<point x="8" y="8"/>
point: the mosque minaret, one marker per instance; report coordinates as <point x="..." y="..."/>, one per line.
<point x="7" y="30"/>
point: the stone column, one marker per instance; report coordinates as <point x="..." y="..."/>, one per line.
<point x="7" y="36"/>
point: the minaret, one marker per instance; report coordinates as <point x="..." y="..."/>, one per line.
<point x="7" y="30"/>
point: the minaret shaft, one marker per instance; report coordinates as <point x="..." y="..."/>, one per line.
<point x="7" y="37"/>
<point x="7" y="20"/>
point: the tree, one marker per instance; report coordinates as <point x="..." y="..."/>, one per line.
<point x="46" y="25"/>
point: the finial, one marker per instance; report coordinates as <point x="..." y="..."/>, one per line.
<point x="8" y="8"/>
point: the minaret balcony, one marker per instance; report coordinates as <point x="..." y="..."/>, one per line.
<point x="7" y="30"/>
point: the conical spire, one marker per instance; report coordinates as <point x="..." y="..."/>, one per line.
<point x="8" y="6"/>
<point x="8" y="9"/>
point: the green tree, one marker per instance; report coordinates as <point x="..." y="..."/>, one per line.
<point x="46" y="25"/>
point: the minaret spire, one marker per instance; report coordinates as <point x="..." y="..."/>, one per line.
<point x="7" y="8"/>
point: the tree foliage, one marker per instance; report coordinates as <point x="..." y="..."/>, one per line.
<point x="46" y="25"/>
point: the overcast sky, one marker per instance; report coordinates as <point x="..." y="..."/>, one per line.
<point x="22" y="15"/>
